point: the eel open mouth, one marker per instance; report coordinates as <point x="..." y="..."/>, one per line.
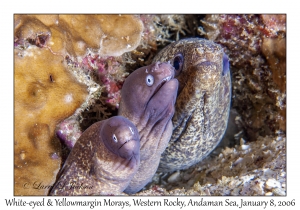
<point x="164" y="81"/>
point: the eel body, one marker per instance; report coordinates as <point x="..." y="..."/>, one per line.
<point x="147" y="99"/>
<point x="103" y="161"/>
<point x="203" y="101"/>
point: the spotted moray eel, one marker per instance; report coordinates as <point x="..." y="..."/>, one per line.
<point x="203" y="101"/>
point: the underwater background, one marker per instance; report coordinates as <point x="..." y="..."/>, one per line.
<point x="69" y="70"/>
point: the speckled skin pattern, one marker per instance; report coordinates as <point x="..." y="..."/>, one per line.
<point x="103" y="160"/>
<point x="203" y="101"/>
<point x="151" y="108"/>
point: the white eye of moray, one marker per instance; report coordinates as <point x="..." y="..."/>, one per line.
<point x="149" y="80"/>
<point x="115" y="138"/>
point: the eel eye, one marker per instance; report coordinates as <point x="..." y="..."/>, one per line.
<point x="149" y="80"/>
<point x="178" y="63"/>
<point x="115" y="138"/>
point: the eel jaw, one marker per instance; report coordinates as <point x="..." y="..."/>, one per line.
<point x="161" y="84"/>
<point x="128" y="148"/>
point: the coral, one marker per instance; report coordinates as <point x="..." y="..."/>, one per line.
<point x="69" y="131"/>
<point x="110" y="74"/>
<point x="273" y="25"/>
<point x="28" y="28"/>
<point x="159" y="30"/>
<point x="109" y="35"/>
<point x="44" y="95"/>
<point x="96" y="112"/>
<point x="257" y="97"/>
<point x="255" y="168"/>
<point x="144" y="53"/>
<point x="47" y="20"/>
<point x="170" y="27"/>
<point x="175" y="23"/>
<point x="274" y="50"/>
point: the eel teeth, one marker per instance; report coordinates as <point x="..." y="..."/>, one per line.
<point x="167" y="79"/>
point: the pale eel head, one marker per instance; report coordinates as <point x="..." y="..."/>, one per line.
<point x="147" y="99"/>
<point x="142" y="86"/>
<point x="121" y="137"/>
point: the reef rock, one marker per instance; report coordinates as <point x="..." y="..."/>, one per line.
<point x="44" y="95"/>
<point x="109" y="35"/>
<point x="258" y="70"/>
<point x="255" y="168"/>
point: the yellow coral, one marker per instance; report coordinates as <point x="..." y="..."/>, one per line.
<point x="112" y="35"/>
<point x="109" y="35"/>
<point x="27" y="27"/>
<point x="45" y="94"/>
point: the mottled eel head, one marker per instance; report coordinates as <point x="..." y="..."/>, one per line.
<point x="203" y="101"/>
<point x="121" y="137"/>
<point x="195" y="57"/>
<point x="148" y="98"/>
